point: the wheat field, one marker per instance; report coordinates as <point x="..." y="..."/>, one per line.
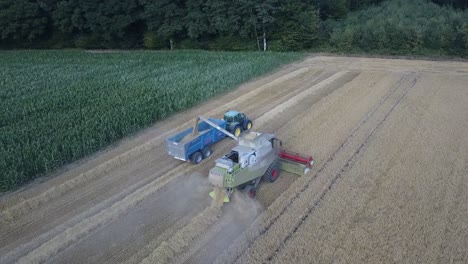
<point x="389" y="184"/>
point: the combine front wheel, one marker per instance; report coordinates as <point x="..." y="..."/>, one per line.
<point x="273" y="172"/>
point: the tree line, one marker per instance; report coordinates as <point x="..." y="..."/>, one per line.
<point x="228" y="24"/>
<point x="453" y="3"/>
<point x="210" y="24"/>
<point x="402" y="27"/>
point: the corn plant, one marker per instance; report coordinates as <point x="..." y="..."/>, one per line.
<point x="59" y="106"/>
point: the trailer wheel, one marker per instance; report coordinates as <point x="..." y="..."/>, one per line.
<point x="272" y="172"/>
<point x="251" y="191"/>
<point x="206" y="152"/>
<point x="196" y="157"/>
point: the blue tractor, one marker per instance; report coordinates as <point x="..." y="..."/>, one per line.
<point x="237" y="122"/>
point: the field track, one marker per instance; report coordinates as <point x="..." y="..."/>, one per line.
<point x="390" y="183"/>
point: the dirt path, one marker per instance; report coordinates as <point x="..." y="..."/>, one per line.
<point x="385" y="134"/>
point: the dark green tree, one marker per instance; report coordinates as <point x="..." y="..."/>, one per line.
<point x="359" y="4"/>
<point x="453" y="3"/>
<point x="165" y="18"/>
<point x="69" y="17"/>
<point x="197" y="20"/>
<point x="335" y="9"/>
<point x="22" y="20"/>
<point x="266" y="12"/>
<point x="114" y="19"/>
<point x="297" y="23"/>
<point x="223" y="16"/>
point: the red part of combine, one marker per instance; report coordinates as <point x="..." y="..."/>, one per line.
<point x="303" y="159"/>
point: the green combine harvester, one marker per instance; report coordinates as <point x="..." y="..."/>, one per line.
<point x="257" y="156"/>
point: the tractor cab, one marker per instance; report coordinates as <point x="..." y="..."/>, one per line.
<point x="234" y="116"/>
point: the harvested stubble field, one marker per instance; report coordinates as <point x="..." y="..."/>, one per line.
<point x="390" y="183"/>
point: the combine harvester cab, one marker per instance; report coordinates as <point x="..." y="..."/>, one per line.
<point x="258" y="156"/>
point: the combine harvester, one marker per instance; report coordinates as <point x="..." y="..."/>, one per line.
<point x="257" y="156"/>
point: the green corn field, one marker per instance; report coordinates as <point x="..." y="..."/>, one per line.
<point x="59" y="106"/>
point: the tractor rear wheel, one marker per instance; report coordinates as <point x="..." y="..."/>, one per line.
<point x="206" y="152"/>
<point x="272" y="172"/>
<point x="251" y="191"/>
<point x="196" y="157"/>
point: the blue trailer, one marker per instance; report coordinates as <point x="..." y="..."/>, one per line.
<point x="187" y="145"/>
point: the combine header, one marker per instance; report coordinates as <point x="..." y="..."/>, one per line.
<point x="295" y="163"/>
